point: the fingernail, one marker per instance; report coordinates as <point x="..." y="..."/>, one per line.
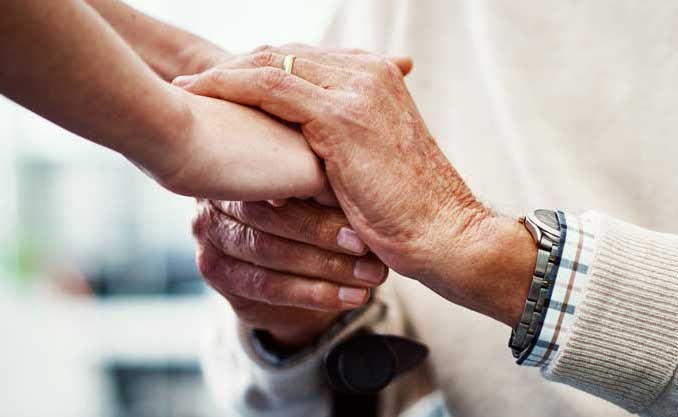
<point x="349" y="240"/>
<point x="369" y="271"/>
<point x="182" y="80"/>
<point x="355" y="296"/>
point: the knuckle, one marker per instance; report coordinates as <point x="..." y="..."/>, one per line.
<point x="206" y="262"/>
<point x="255" y="282"/>
<point x="271" y="79"/>
<point x="231" y="233"/>
<point x="366" y="82"/>
<point x="355" y="107"/>
<point x="310" y="227"/>
<point x="381" y="67"/>
<point x="319" y="296"/>
<point x="264" y="48"/>
<point x="330" y="264"/>
<point x="263" y="58"/>
<point x="246" y="238"/>
<point x="232" y="208"/>
<point x="245" y="242"/>
<point x="235" y="209"/>
<point x="198" y="226"/>
<point x="215" y="76"/>
<point x="203" y="219"/>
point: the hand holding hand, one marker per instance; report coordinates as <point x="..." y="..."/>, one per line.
<point x="205" y="156"/>
<point x="395" y="185"/>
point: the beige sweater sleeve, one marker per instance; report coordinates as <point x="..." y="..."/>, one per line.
<point x="623" y="344"/>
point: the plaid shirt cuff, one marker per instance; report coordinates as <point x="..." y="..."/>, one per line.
<point x="577" y="247"/>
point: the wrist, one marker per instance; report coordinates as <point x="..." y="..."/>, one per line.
<point x="161" y="154"/>
<point x="510" y="264"/>
<point x="488" y="267"/>
<point x="296" y="336"/>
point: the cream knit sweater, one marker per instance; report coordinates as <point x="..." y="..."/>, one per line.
<point x="558" y="104"/>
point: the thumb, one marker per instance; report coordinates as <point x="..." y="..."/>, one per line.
<point x="184" y="80"/>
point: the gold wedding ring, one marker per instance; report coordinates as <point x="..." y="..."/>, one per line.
<point x="288" y="63"/>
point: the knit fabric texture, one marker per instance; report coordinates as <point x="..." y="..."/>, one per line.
<point x="623" y="344"/>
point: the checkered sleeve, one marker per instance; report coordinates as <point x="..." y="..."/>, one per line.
<point x="568" y="279"/>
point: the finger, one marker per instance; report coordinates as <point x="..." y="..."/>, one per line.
<point x="298" y="220"/>
<point x="245" y="243"/>
<point x="311" y="71"/>
<point x="404" y="63"/>
<point x="232" y="277"/>
<point x="330" y="56"/>
<point x="352" y="63"/>
<point x="274" y="91"/>
<point x="337" y="56"/>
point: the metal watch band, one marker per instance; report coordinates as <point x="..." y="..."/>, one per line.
<point x="524" y="335"/>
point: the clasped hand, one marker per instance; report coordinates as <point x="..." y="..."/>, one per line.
<point x="394" y="185"/>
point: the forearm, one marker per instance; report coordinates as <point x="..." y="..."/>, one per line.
<point x="103" y="91"/>
<point x="275" y="160"/>
<point x="98" y="88"/>
<point x="168" y="50"/>
<point x="608" y="327"/>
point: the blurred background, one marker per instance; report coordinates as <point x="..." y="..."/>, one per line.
<point x="101" y="307"/>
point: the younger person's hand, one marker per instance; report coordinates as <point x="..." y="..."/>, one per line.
<point x="227" y="151"/>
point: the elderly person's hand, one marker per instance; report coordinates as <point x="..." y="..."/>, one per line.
<point x="396" y="187"/>
<point x="290" y="270"/>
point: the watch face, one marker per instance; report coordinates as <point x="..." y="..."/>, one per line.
<point x="548" y="217"/>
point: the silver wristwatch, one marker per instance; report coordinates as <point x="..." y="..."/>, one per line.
<point x="544" y="227"/>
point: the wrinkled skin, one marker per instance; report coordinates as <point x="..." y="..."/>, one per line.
<point x="235" y="240"/>
<point x="392" y="181"/>
<point x="281" y="269"/>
